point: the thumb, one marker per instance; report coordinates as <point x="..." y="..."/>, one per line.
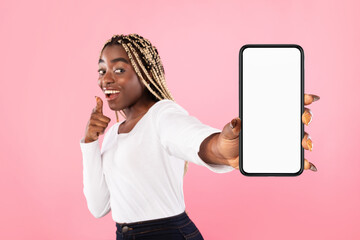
<point x="232" y="129"/>
<point x="99" y="105"/>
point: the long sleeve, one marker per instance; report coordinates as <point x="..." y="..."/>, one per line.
<point x="182" y="134"/>
<point x="95" y="188"/>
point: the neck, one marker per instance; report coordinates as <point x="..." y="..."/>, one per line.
<point x="138" y="109"/>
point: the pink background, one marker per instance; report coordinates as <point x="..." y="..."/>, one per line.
<point x="49" y="78"/>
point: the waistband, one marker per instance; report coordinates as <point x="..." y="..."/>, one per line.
<point x="178" y="219"/>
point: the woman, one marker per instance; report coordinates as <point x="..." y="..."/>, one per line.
<point x="138" y="172"/>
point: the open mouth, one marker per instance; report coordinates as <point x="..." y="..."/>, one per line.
<point x="111" y="96"/>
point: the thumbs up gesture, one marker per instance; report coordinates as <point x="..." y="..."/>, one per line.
<point x="97" y="123"/>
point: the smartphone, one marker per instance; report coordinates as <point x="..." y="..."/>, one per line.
<point x="271" y="97"/>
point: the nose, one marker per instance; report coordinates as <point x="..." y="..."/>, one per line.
<point x="107" y="79"/>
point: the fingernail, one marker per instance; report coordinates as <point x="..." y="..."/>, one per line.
<point x="309" y="144"/>
<point x="308" y="117"/>
<point x="315" y="98"/>
<point x="313" y="168"/>
<point x="233" y="123"/>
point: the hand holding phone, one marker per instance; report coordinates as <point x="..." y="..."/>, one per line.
<point x="272" y="110"/>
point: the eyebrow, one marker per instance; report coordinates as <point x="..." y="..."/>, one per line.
<point x="120" y="59"/>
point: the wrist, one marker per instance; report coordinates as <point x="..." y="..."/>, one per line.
<point x="215" y="148"/>
<point x="88" y="140"/>
<point x="209" y="151"/>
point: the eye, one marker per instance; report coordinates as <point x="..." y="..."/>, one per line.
<point x="118" y="70"/>
<point x="101" y="72"/>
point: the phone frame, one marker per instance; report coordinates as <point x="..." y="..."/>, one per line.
<point x="241" y="107"/>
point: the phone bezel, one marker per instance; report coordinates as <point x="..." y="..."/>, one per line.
<point x="241" y="107"/>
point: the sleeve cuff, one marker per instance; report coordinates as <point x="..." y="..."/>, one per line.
<point x="90" y="147"/>
<point x="204" y="133"/>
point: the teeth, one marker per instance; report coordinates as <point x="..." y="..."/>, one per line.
<point x="111" y="91"/>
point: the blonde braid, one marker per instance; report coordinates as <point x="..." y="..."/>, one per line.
<point x="149" y="62"/>
<point x="163" y="91"/>
<point x="143" y="68"/>
<point x="156" y="72"/>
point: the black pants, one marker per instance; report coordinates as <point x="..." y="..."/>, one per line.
<point x="170" y="228"/>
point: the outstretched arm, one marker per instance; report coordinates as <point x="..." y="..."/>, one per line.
<point x="222" y="148"/>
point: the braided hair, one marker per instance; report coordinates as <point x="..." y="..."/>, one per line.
<point x="144" y="55"/>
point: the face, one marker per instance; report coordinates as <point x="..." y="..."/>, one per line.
<point x="117" y="73"/>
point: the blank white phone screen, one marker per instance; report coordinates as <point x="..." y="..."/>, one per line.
<point x="271" y="108"/>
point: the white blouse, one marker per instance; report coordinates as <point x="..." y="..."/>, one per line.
<point x="139" y="175"/>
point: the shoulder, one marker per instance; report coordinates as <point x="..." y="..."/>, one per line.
<point x="167" y="106"/>
<point x="166" y="112"/>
